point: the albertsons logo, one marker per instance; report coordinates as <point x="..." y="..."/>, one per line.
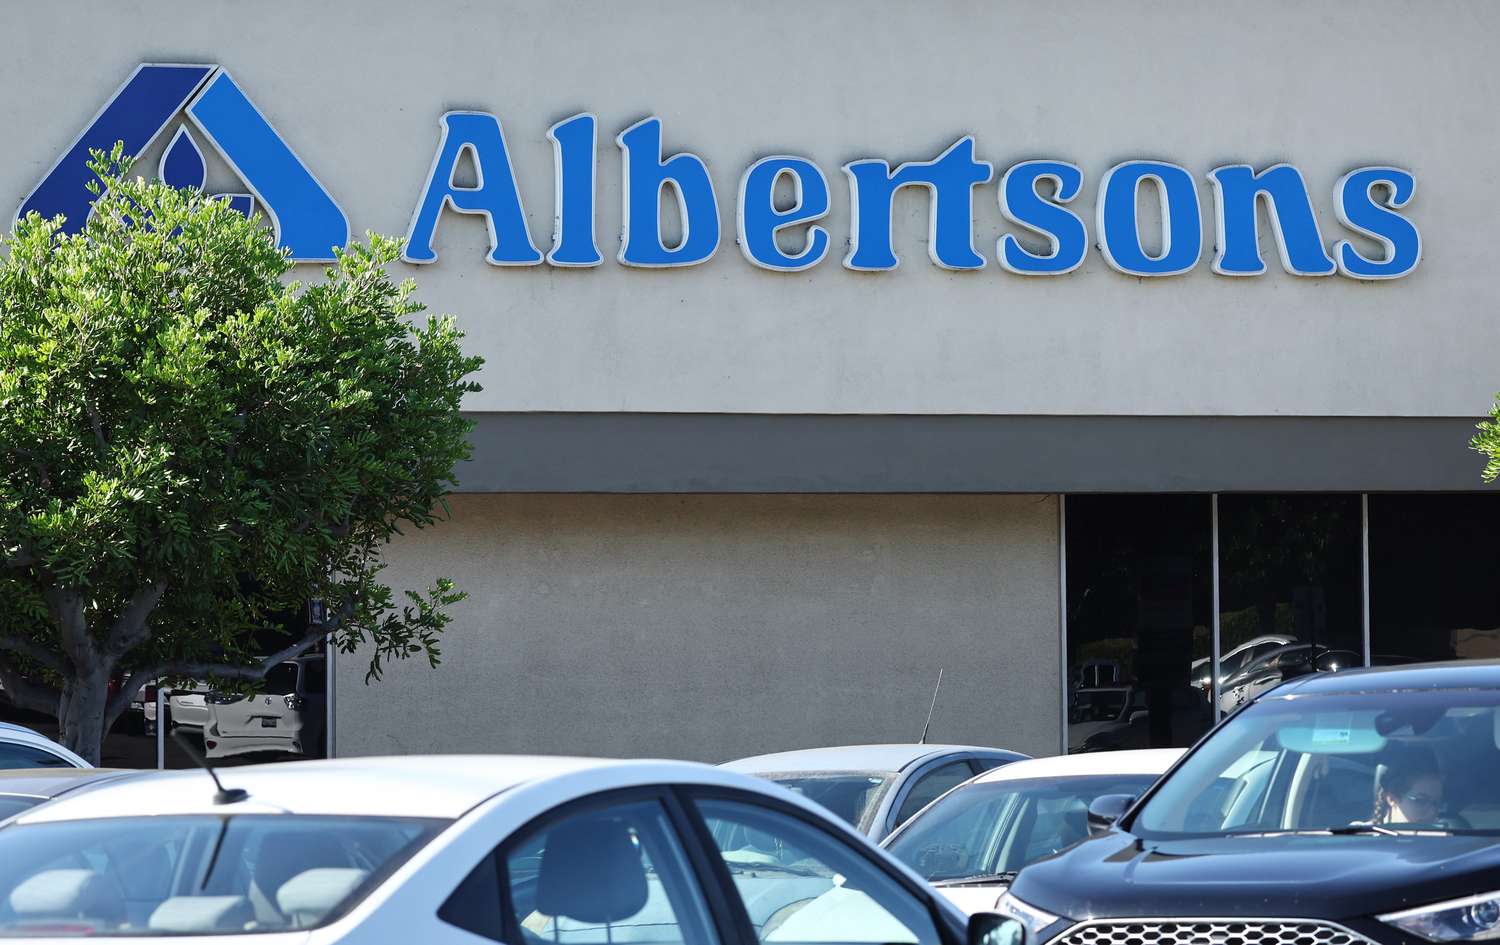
<point x="199" y="101"/>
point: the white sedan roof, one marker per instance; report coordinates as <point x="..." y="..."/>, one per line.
<point x="442" y="786"/>
<point x="1143" y="761"/>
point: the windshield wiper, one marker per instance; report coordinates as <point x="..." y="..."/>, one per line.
<point x="982" y="879"/>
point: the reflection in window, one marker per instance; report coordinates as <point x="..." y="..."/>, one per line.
<point x="1434" y="590"/>
<point x="1290" y="598"/>
<point x="1139" y="615"/>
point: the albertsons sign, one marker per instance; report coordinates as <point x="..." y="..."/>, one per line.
<point x="1037" y="196"/>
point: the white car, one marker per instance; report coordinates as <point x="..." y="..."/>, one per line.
<point x="22" y="747"/>
<point x="460" y="849"/>
<point x="971" y="842"/>
<point x="285" y="716"/>
<point x="188" y="708"/>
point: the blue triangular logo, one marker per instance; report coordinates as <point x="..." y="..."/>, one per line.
<point x="305" y="219"/>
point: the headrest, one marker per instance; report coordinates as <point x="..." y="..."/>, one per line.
<point x="67" y="893"/>
<point x="591" y="871"/>
<point x="309" y="896"/>
<point x="202" y="914"/>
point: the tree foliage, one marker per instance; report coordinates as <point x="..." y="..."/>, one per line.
<point x="192" y="446"/>
<point x="1487" y="441"/>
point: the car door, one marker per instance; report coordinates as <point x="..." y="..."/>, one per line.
<point x="685" y="866"/>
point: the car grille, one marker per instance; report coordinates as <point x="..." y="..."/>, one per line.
<point x="1209" y="932"/>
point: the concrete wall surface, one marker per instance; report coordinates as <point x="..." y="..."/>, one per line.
<point x="713" y="627"/>
<point x="357" y="87"/>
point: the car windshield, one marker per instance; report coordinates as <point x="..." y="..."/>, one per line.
<point x="195" y="875"/>
<point x="990" y="830"/>
<point x="1415" y="762"/>
<point x="851" y="796"/>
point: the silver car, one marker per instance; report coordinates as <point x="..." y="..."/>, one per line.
<point x="875" y="787"/>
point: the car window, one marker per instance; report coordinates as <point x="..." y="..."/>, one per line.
<point x="616" y="874"/>
<point x="281" y="680"/>
<point x="801" y="885"/>
<point x="852" y="796"/>
<point x="931" y="786"/>
<point x="24" y="756"/>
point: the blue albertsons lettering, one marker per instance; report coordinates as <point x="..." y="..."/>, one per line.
<point x="1034" y="195"/>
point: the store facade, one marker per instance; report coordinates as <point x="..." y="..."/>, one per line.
<point x="1060" y="350"/>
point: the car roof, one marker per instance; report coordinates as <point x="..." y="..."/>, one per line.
<point x="50" y="782"/>
<point x="438" y="786"/>
<point x="853" y="758"/>
<point x="1142" y="761"/>
<point x="1456" y="674"/>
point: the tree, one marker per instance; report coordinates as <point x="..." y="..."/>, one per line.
<point x="192" y="447"/>
<point x="1487" y="441"/>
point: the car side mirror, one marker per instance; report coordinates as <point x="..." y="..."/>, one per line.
<point x="1106" y="809"/>
<point x="990" y="928"/>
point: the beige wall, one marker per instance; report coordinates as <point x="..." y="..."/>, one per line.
<point x="712" y="627"/>
<point x="357" y="87"/>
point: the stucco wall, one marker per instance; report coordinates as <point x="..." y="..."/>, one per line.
<point x="712" y="627"/>
<point x="357" y="88"/>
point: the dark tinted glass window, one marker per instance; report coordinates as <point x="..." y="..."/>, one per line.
<point x="24" y="756"/>
<point x="1290" y="594"/>
<point x="1434" y="577"/>
<point x="475" y="904"/>
<point x="1139" y="615"/>
<point x="281" y="680"/>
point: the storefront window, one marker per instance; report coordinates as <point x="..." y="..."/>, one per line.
<point x="1434" y="581"/>
<point x="1139" y="618"/>
<point x="1290" y="594"/>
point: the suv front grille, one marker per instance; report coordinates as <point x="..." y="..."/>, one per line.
<point x="1209" y="932"/>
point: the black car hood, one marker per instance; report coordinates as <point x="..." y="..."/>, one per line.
<point x="1120" y="876"/>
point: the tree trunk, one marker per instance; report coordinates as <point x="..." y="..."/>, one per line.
<point x="81" y="712"/>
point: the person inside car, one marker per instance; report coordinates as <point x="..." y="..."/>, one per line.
<point x="1409" y="791"/>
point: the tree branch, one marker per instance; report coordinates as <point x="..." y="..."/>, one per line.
<point x="131" y="628"/>
<point x="143" y="676"/>
<point x="26" y="694"/>
<point x="99" y="440"/>
<point x="32" y="651"/>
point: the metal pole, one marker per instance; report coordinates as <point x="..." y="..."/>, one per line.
<point x="1217" y="645"/>
<point x="1364" y="561"/>
<point x="330" y="687"/>
<point x="1062" y="611"/>
<point x="161" y="727"/>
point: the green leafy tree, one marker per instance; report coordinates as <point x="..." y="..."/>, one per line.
<point x="192" y="447"/>
<point x="1487" y="441"/>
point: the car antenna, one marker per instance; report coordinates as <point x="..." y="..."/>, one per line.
<point x="928" y="725"/>
<point x="224" y="795"/>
